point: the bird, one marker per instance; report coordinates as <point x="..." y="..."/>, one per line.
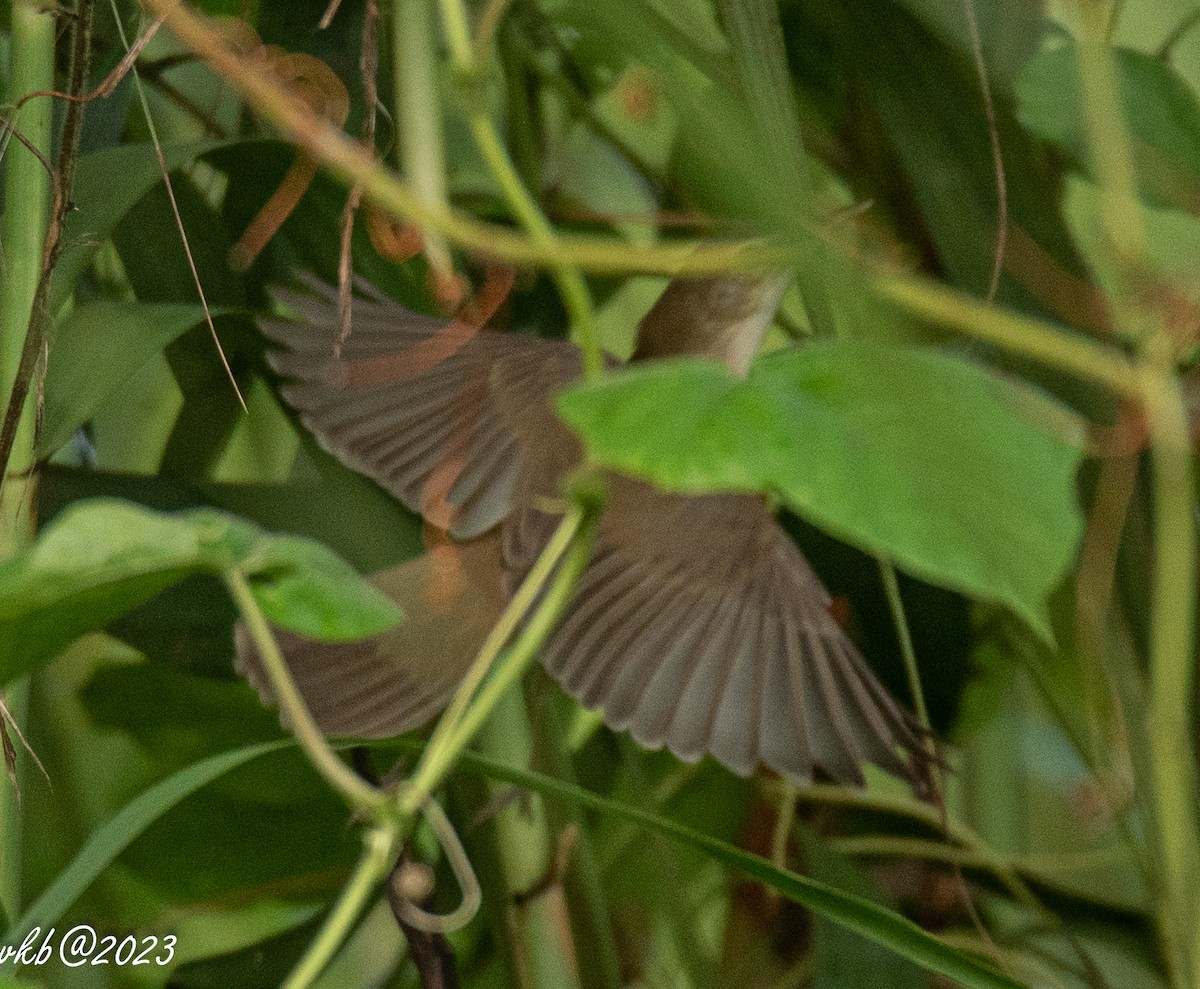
<point x="697" y="625"/>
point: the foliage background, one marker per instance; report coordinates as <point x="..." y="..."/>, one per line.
<point x="639" y="121"/>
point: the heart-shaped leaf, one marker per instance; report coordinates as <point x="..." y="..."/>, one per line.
<point x="962" y="478"/>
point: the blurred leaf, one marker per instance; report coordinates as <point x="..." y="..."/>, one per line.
<point x="963" y="478"/>
<point x="152" y="252"/>
<point x="128" y="334"/>
<point x="107" y="843"/>
<point x="175" y="716"/>
<point x="840" y="957"/>
<point x="1009" y="33"/>
<point x="107" y="184"/>
<point x="906" y="119"/>
<point x="102" y="558"/>
<point x="268" y="829"/>
<point x="260" y="966"/>
<point x="876" y="923"/>
<point x="1161" y="114"/>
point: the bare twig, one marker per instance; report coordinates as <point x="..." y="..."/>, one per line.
<point x="8" y="129"/>
<point x="368" y="62"/>
<point x="170" y="187"/>
<point x="110" y="81"/>
<point x="994" y="139"/>
<point x="329" y="15"/>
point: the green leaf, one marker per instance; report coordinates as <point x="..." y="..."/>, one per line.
<point x="120" y="830"/>
<point x="128" y="334"/>
<point x="97" y="561"/>
<point x="876" y="923"/>
<point x="962" y="478"/>
<point x="107" y="183"/>
<point x="1161" y="114"/>
<point x="304" y="587"/>
<point x="840" y="957"/>
<point x="100" y="559"/>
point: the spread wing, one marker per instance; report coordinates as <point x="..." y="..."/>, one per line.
<point x="407" y="399"/>
<point x="699" y="626"/>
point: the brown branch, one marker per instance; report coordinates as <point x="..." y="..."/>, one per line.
<point x="368" y="62"/>
<point x="112" y="80"/>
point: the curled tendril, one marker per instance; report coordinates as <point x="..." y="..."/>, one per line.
<point x="443" y="923"/>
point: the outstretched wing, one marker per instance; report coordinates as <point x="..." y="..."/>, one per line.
<point x="408" y="399"/>
<point x="699" y="626"/>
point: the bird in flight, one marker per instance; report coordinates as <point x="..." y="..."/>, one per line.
<point x="697" y="624"/>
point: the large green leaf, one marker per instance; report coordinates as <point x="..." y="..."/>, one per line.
<point x="128" y="334"/>
<point x="102" y="558"/>
<point x="963" y="478"/>
<point x="107" y="183"/>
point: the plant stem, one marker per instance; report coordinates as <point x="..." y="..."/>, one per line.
<point x="359" y="794"/>
<point x="467" y="710"/>
<point x="891" y="587"/>
<point x="348" y="161"/>
<point x="1175" y="826"/>
<point x="374" y="865"/>
<point x="419" y="112"/>
<point x="536" y="910"/>
<point x="26" y="219"/>
<point x="566" y="275"/>
<point x="1058" y="348"/>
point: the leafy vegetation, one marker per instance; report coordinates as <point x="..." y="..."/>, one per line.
<point x="973" y="412"/>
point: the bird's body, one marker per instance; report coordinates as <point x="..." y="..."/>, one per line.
<point x="697" y="625"/>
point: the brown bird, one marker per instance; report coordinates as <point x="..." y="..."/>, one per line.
<point x="697" y="625"/>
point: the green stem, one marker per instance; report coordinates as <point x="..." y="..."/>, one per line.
<point x="587" y="901"/>
<point x="1175" y="828"/>
<point x="419" y="112"/>
<point x="468" y="710"/>
<point x="360" y="795"/>
<point x="373" y="867"/>
<point x="1055" y="347"/>
<point x="566" y="275"/>
<point x="348" y="161"/>
<point x="25" y="222"/>
<point x="1172" y="680"/>
<point x="535" y="633"/>
<point x="543" y="953"/>
<point x="891" y="587"/>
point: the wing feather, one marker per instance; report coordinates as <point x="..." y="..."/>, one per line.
<point x="389" y="410"/>
<point x="700" y="627"/>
